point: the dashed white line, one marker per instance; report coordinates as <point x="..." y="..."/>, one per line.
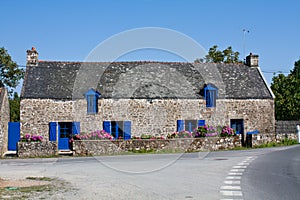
<point x="235" y="173"/>
<point x="231" y="187"/>
<point x="233" y="177"/>
<point x="237" y="170"/>
<point x="232" y="182"/>
<point x="231" y="193"/>
<point x="239" y="167"/>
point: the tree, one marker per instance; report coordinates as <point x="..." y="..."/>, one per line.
<point x="216" y="56"/>
<point x="10" y="74"/>
<point x="287" y="94"/>
<point x="14" y="105"/>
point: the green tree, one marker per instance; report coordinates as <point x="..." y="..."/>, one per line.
<point x="217" y="56"/>
<point x="10" y="74"/>
<point x="14" y="105"/>
<point x="287" y="94"/>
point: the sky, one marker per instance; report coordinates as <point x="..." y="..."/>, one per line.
<point x="68" y="30"/>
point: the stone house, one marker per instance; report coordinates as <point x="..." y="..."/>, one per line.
<point x="4" y="119"/>
<point x="128" y="99"/>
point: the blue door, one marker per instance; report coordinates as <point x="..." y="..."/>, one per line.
<point x="64" y="134"/>
<point x="13" y="135"/>
<point x="238" y="126"/>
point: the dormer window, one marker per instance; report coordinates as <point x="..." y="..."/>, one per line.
<point x="210" y="95"/>
<point x="91" y="97"/>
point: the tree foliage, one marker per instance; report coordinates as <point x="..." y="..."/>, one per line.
<point x="10" y="74"/>
<point x="14" y="105"/>
<point x="287" y="94"/>
<point x="217" y="56"/>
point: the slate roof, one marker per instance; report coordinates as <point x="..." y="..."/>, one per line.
<point x="70" y="80"/>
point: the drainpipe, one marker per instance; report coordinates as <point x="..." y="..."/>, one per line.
<point x="298" y="130"/>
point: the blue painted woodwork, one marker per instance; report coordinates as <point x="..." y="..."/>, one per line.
<point x="127" y="130"/>
<point x="13" y="135"/>
<point x="64" y="134"/>
<point x="201" y="122"/>
<point x="107" y="126"/>
<point x="92" y="101"/>
<point x="180" y="125"/>
<point x="210" y="95"/>
<point x="52" y="131"/>
<point x="252" y="132"/>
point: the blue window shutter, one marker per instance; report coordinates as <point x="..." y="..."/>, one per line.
<point x="201" y="122"/>
<point x="180" y="125"/>
<point x="127" y="130"/>
<point x="76" y="127"/>
<point x="107" y="126"/>
<point x="52" y="131"/>
<point x="95" y="108"/>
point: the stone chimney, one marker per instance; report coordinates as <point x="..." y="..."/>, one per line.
<point x="32" y="57"/>
<point x="252" y="60"/>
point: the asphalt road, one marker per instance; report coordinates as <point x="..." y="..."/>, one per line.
<point x="206" y="175"/>
<point x="273" y="176"/>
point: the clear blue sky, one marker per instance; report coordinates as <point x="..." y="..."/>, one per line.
<point x="68" y="30"/>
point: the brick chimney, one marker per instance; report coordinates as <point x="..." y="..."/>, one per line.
<point x="32" y="57"/>
<point x="252" y="60"/>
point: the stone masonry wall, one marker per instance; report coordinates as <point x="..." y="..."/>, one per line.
<point x="37" y="149"/>
<point x="106" y="147"/>
<point x="4" y="119"/>
<point x="157" y="116"/>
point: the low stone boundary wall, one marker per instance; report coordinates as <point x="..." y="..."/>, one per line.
<point x="106" y="147"/>
<point x="36" y="149"/>
<point x="259" y="139"/>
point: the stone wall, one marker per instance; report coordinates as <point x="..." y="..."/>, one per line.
<point x="156" y="116"/>
<point x="259" y="139"/>
<point x="106" y="147"/>
<point x="4" y="119"/>
<point x="37" y="149"/>
<point x="286" y="127"/>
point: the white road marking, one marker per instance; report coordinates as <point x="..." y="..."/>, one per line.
<point x="240" y="167"/>
<point x="237" y="170"/>
<point x="233" y="177"/>
<point x="232" y="182"/>
<point x="235" y="173"/>
<point x="231" y="187"/>
<point x="231" y="193"/>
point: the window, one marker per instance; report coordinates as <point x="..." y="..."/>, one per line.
<point x="118" y="129"/>
<point x="210" y="95"/>
<point x="189" y="125"/>
<point x="92" y="101"/>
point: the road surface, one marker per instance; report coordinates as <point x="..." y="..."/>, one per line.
<point x="271" y="173"/>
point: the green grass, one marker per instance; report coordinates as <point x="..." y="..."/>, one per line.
<point x="285" y="142"/>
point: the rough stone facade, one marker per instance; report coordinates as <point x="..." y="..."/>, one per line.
<point x="259" y="139"/>
<point x="157" y="117"/>
<point x="4" y="119"/>
<point x="106" y="147"/>
<point x="37" y="149"/>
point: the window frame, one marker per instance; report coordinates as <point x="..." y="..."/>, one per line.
<point x="210" y="95"/>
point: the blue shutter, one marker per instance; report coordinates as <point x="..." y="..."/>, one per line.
<point x="52" y="131"/>
<point x="127" y="130"/>
<point x="117" y="129"/>
<point x="201" y="122"/>
<point x="107" y="126"/>
<point x="95" y="108"/>
<point x="75" y="128"/>
<point x="180" y="125"/>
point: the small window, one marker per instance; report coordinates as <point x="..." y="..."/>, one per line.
<point x="210" y="95"/>
<point x="92" y="101"/>
<point x="118" y="129"/>
<point x="189" y="125"/>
